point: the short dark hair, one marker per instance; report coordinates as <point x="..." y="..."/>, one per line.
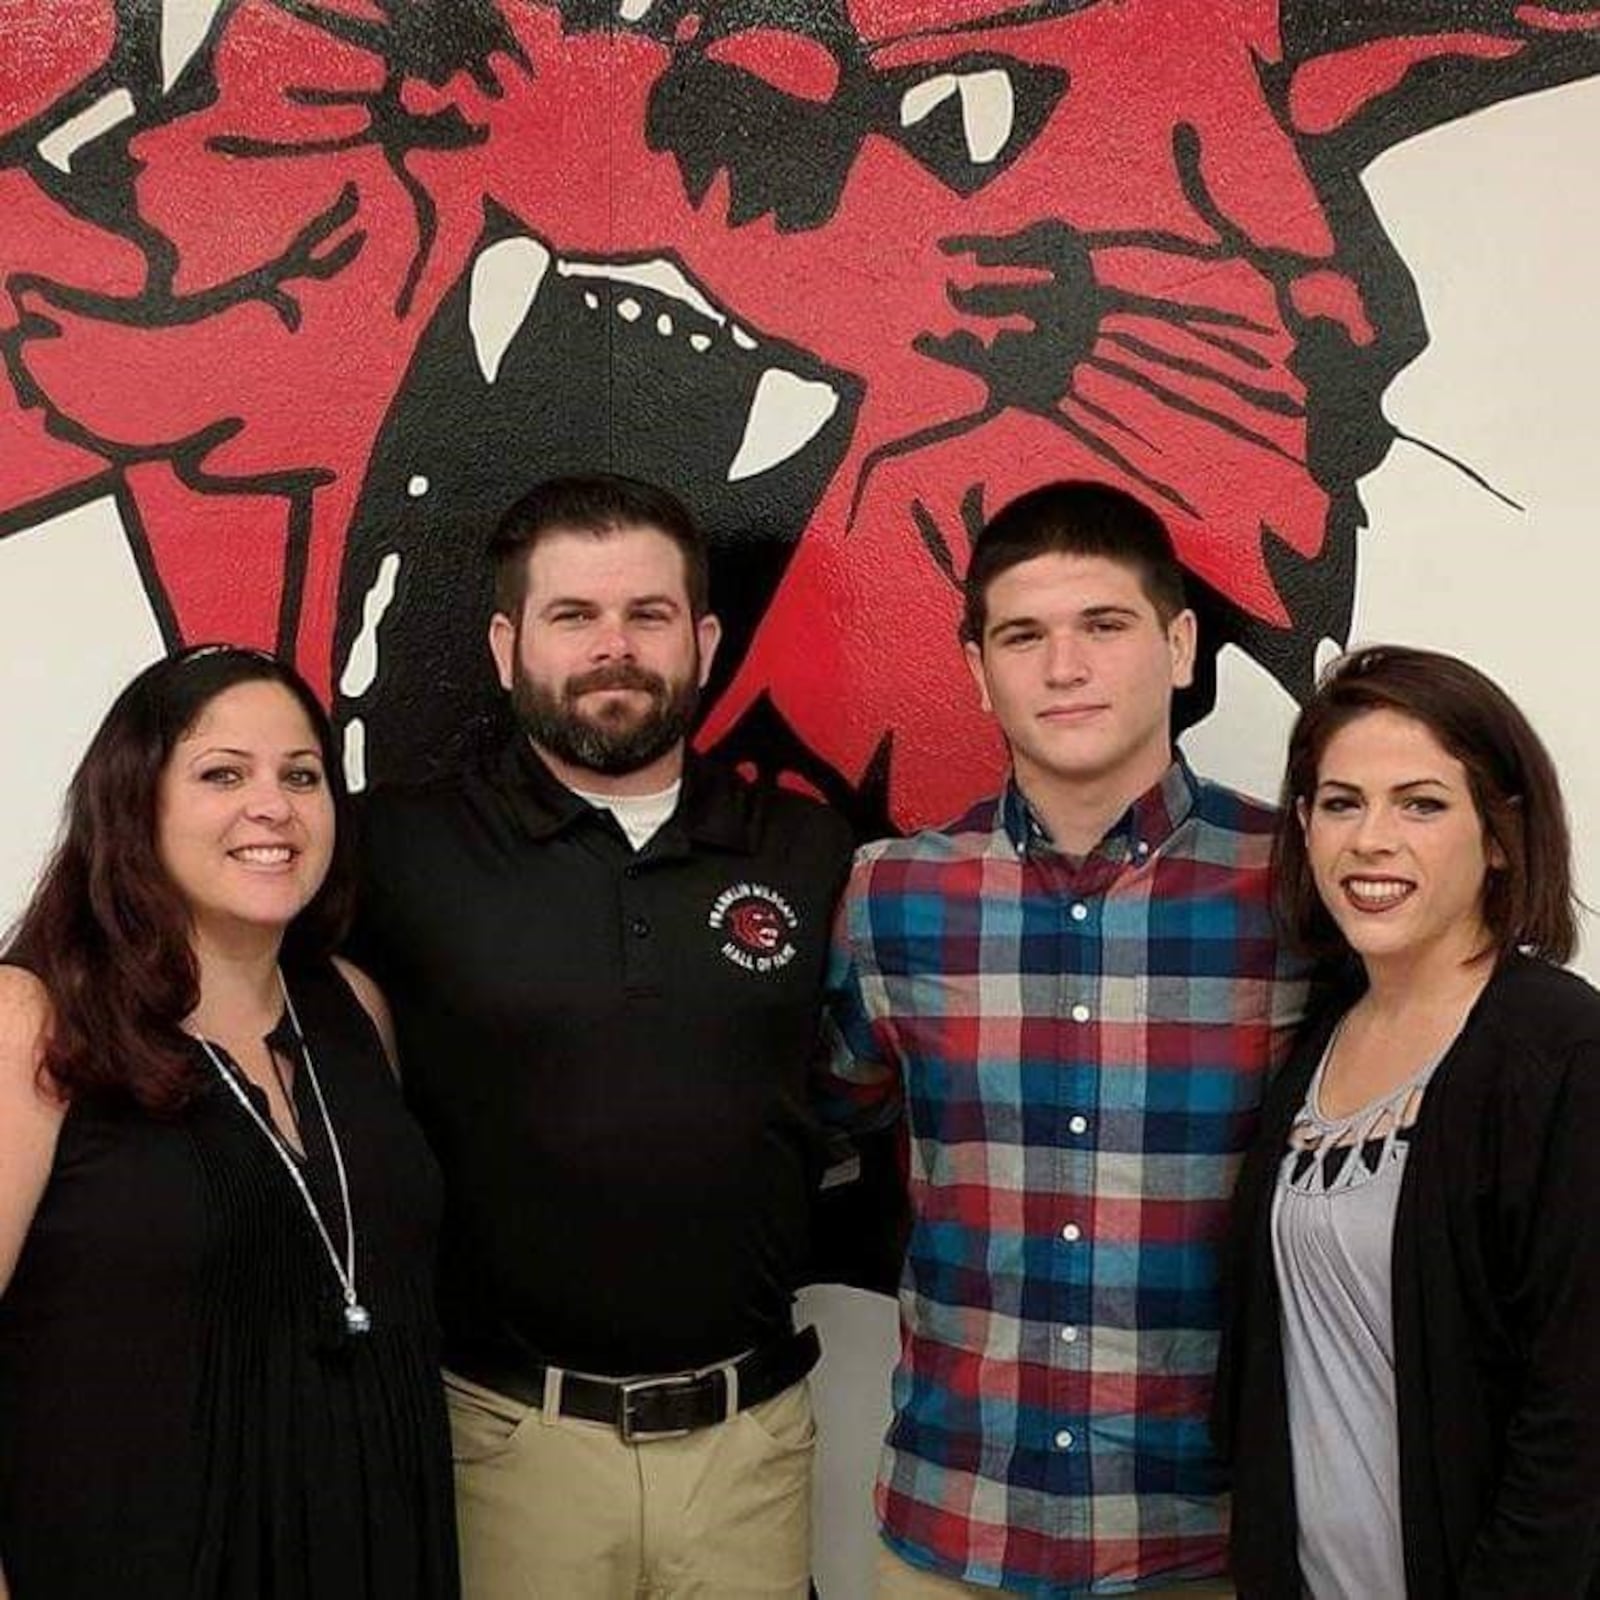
<point x="1528" y="903"/>
<point x="1075" y="518"/>
<point x="599" y="503"/>
<point x="107" y="931"/>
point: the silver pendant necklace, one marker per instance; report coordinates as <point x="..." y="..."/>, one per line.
<point x="357" y="1319"/>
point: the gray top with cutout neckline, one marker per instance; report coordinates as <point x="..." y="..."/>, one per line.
<point x="1332" y="1228"/>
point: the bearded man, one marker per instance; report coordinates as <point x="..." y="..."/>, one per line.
<point x="605" y="957"/>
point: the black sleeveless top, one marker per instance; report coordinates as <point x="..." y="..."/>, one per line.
<point x="181" y="1412"/>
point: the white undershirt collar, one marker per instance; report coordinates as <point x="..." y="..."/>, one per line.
<point x="638" y="815"/>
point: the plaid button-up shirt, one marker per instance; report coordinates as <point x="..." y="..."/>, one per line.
<point x="1082" y="1046"/>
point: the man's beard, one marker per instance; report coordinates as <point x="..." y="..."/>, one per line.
<point x="619" y="741"/>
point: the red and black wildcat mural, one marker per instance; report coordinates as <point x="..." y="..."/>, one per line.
<point x="313" y="287"/>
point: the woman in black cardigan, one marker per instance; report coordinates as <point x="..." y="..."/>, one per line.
<point x="1410" y="1386"/>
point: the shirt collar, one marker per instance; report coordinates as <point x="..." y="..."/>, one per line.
<point x="714" y="808"/>
<point x="1136" y="835"/>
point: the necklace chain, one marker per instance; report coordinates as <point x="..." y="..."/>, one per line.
<point x="357" y="1319"/>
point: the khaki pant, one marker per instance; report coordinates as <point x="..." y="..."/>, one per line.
<point x="895" y="1579"/>
<point x="555" y="1508"/>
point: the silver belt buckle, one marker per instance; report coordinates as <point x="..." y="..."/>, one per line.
<point x="632" y="1434"/>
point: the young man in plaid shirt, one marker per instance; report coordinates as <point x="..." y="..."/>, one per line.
<point x="1078" y="990"/>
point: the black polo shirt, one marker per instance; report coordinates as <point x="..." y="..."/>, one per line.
<point x="610" y="1053"/>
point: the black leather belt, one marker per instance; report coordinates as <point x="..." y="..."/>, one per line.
<point x="664" y="1407"/>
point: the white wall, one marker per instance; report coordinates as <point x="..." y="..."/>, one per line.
<point x="74" y="626"/>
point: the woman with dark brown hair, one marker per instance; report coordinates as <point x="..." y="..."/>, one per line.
<point x="218" y="1373"/>
<point x="1410" y="1390"/>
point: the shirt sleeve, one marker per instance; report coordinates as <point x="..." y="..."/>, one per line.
<point x="859" y="1087"/>
<point x="1299" y="990"/>
<point x="862" y="1217"/>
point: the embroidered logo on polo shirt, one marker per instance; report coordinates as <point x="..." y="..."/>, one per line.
<point x="758" y="923"/>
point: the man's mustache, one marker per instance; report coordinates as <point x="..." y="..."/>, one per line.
<point x="624" y="675"/>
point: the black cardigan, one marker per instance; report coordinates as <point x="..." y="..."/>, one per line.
<point x="1496" y="1311"/>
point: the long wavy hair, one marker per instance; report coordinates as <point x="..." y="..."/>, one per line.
<point x="107" y="931"/>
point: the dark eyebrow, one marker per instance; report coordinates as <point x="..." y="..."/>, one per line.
<point x="1394" y="788"/>
<point x="246" y="755"/>
<point x="586" y="603"/>
<point x="1012" y="622"/>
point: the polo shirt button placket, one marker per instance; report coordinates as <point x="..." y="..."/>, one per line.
<point x="642" y="951"/>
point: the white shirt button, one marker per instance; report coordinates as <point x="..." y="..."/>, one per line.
<point x="1072" y="1233"/>
<point x="1141" y="849"/>
<point x="1069" y="1335"/>
<point x="1064" y="1439"/>
<point x="1079" y="911"/>
<point x="1080" y="1013"/>
<point x="1078" y="1124"/>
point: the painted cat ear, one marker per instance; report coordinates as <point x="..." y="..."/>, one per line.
<point x="1343" y="70"/>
